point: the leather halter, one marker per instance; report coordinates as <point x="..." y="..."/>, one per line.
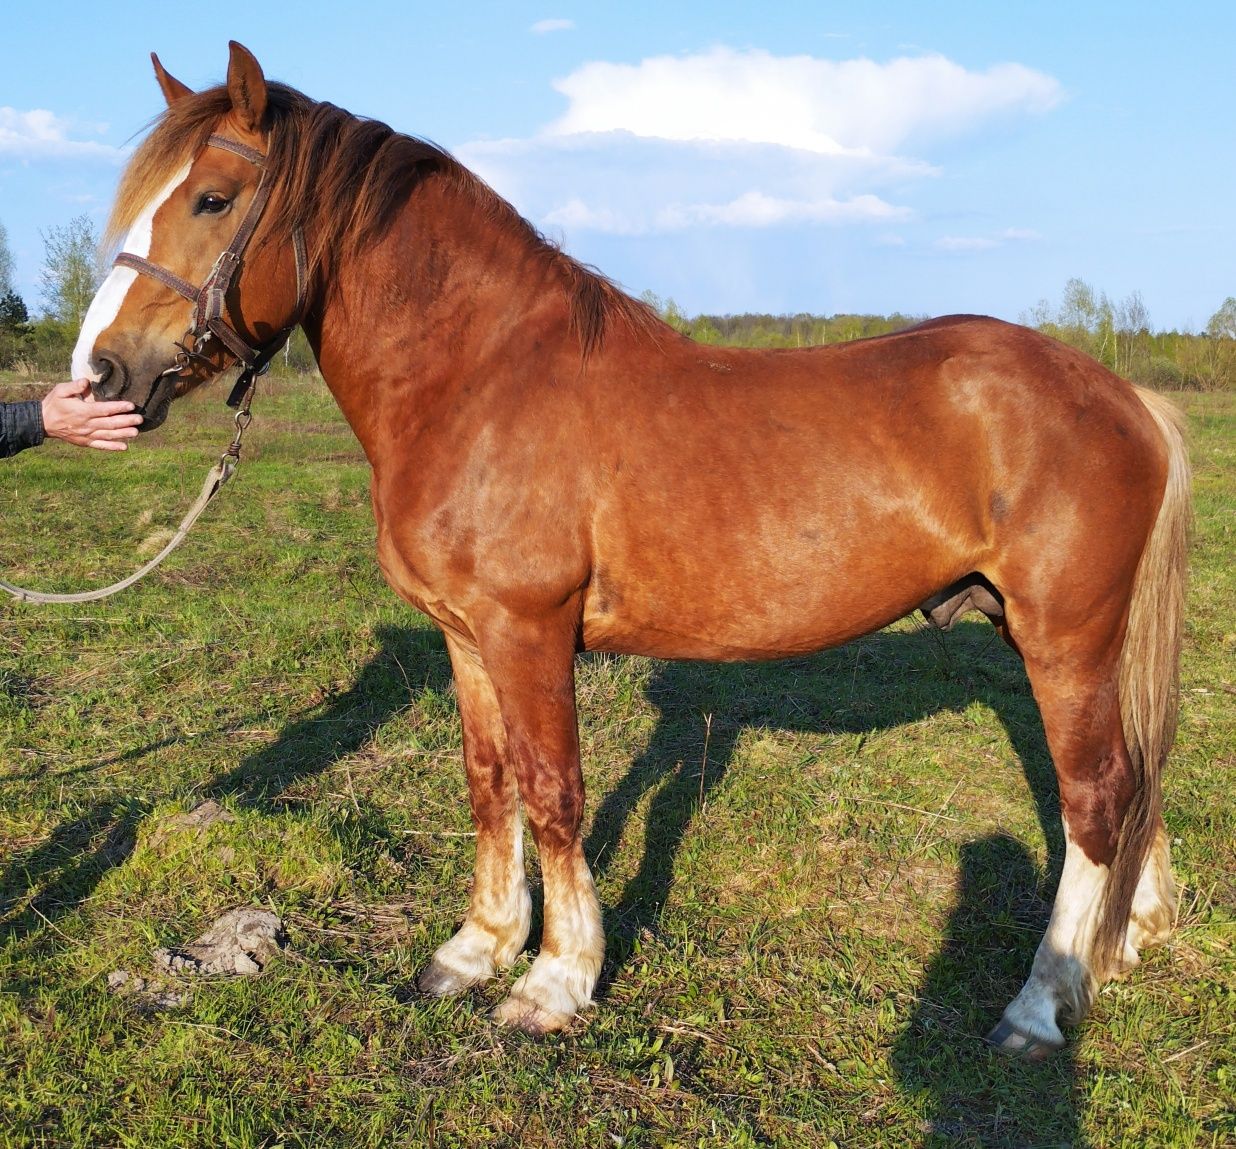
<point x="209" y="299"/>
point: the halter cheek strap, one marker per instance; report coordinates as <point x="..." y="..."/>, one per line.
<point x="210" y="299"/>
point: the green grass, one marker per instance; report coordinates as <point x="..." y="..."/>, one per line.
<point x="822" y="879"/>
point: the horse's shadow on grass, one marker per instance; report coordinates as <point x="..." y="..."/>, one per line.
<point x="42" y="884"/>
<point x="972" y="1095"/>
<point x="882" y="681"/>
<point x="877" y="683"/>
<point x="407" y="661"/>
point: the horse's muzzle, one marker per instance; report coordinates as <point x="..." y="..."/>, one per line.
<point x="117" y="380"/>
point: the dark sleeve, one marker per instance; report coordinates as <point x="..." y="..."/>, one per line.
<point x="21" y="426"/>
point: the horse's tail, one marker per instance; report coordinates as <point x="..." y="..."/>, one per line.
<point x="1150" y="678"/>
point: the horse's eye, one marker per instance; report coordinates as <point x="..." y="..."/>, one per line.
<point x="211" y="204"/>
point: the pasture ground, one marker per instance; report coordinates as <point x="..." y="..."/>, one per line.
<point x="822" y="878"/>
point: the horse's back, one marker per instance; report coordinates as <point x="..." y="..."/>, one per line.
<point x="759" y="503"/>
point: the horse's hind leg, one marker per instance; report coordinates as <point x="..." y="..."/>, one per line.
<point x="1153" y="914"/>
<point x="496" y="926"/>
<point x="1074" y="670"/>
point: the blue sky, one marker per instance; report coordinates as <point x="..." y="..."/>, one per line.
<point x="915" y="157"/>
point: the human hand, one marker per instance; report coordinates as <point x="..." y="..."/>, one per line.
<point x="71" y="413"/>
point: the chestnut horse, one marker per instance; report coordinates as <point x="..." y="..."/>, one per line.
<point x="555" y="470"/>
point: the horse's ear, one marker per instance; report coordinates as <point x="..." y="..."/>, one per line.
<point x="247" y="87"/>
<point x="173" y="89"/>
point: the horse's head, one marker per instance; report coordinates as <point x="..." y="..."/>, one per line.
<point x="197" y="286"/>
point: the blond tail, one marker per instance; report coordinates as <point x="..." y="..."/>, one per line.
<point x="1150" y="677"/>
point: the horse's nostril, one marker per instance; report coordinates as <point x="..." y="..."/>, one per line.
<point x="111" y="379"/>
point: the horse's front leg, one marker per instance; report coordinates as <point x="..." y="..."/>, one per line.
<point x="532" y="667"/>
<point x="496" y="926"/>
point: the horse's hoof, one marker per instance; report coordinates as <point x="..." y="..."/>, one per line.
<point x="440" y="980"/>
<point x="1008" y="1039"/>
<point x="523" y="1013"/>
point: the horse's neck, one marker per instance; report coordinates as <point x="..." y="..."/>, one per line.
<point x="424" y="310"/>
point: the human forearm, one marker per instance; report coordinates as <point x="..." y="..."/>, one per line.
<point x="21" y="426"/>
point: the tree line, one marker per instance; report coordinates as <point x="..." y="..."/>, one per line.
<point x="71" y="274"/>
<point x="1118" y="334"/>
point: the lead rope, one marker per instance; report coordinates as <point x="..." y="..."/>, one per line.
<point x="218" y="475"/>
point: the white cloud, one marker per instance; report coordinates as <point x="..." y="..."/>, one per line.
<point x="827" y="106"/>
<point x="542" y="27"/>
<point x="750" y="140"/>
<point x="986" y="242"/>
<point x="755" y="209"/>
<point x="966" y="243"/>
<point x="750" y="209"/>
<point x="40" y="134"/>
<point x="577" y="215"/>
<point x="626" y="185"/>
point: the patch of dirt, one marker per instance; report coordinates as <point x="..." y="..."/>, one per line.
<point x="148" y="994"/>
<point x="239" y="944"/>
<point x="199" y="819"/>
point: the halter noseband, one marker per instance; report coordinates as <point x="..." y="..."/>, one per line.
<point x="209" y="299"/>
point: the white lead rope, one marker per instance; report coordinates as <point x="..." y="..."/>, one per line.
<point x="219" y="474"/>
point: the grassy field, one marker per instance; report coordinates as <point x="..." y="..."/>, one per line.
<point x="822" y="879"/>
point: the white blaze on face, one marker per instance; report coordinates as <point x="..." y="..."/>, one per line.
<point x="107" y="301"/>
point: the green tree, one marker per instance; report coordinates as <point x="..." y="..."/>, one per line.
<point x="72" y="270"/>
<point x="1221" y="344"/>
<point x="1080" y="308"/>
<point x="1222" y="323"/>
<point x="1132" y="320"/>
<point x="13" y="313"/>
<point x="6" y="263"/>
<point x="14" y="329"/>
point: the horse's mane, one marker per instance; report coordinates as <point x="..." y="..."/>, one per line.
<point x="349" y="176"/>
